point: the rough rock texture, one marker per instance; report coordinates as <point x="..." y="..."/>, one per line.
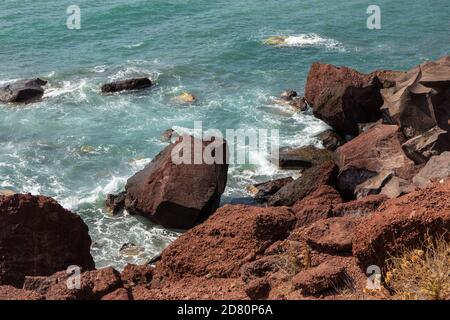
<point x="311" y="179"/>
<point x="333" y="236"/>
<point x="263" y="191"/>
<point x="328" y="276"/>
<point x="343" y="97"/>
<point x="39" y="237"/>
<point x="397" y="187"/>
<point x="180" y="195"/>
<point x="133" y="275"/>
<point x="23" y="91"/>
<point x="12" y="293"/>
<point x="402" y="222"/>
<point x="220" y="246"/>
<point x="373" y="185"/>
<point x="331" y="140"/>
<point x="129" y="84"/>
<point x="437" y="168"/>
<point x="115" y="202"/>
<point x="93" y="285"/>
<point x="318" y="205"/>
<point x="431" y="143"/>
<point x="359" y="207"/>
<point x="258" y="289"/>
<point x="303" y="157"/>
<point x="372" y="152"/>
<point x="120" y="294"/>
<point x="420" y="100"/>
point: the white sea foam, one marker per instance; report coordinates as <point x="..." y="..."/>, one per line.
<point x="67" y="87"/>
<point x="136" y="45"/>
<point x="312" y="40"/>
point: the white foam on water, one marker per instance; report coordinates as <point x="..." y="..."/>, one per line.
<point x="311" y="40"/>
<point x="67" y="87"/>
<point x="136" y="45"/>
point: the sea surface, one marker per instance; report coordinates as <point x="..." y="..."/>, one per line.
<point x="77" y="145"/>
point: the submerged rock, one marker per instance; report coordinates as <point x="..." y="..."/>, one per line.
<point x="23" y="91"/>
<point x="180" y="195"/>
<point x="275" y="40"/>
<point x="186" y="97"/>
<point x="39" y="237"/>
<point x="129" y="84"/>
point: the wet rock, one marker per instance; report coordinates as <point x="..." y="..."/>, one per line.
<point x="130" y="250"/>
<point x="129" y="84"/>
<point x="311" y="180"/>
<point x="115" y="202"/>
<point x="437" y="167"/>
<point x="331" y="140"/>
<point x="186" y="97"/>
<point x="402" y="222"/>
<point x="372" y="152"/>
<point x="303" y="157"/>
<point x="431" y="143"/>
<point x="316" y="206"/>
<point x="263" y="191"/>
<point x="39" y="237"/>
<point x="23" y="91"/>
<point x="328" y="276"/>
<point x="288" y="95"/>
<point x="275" y="40"/>
<point x="180" y="194"/>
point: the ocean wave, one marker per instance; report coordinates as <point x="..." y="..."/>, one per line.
<point x="304" y="41"/>
<point x="68" y="87"/>
<point x="136" y="45"/>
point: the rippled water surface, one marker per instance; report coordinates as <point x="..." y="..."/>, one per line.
<point x="77" y="145"/>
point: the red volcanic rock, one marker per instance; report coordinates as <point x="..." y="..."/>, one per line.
<point x="12" y="293"/>
<point x="431" y="143"/>
<point x="39" y="237"/>
<point x="258" y="289"/>
<point x="438" y="167"/>
<point x="179" y="195"/>
<point x="318" y="205"/>
<point x="379" y="149"/>
<point x="402" y="222"/>
<point x="262" y="191"/>
<point x="93" y="285"/>
<point x="328" y="276"/>
<point x="359" y="207"/>
<point x="343" y="97"/>
<point x="221" y="245"/>
<point x="333" y="235"/>
<point x="133" y="275"/>
<point x="119" y="294"/>
<point x="311" y="180"/>
<point x="420" y="100"/>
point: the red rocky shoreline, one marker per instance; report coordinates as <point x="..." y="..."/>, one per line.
<point x="382" y="184"/>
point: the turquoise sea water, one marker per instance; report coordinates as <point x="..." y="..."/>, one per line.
<point x="77" y="145"/>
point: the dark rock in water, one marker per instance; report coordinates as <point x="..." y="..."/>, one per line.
<point x="288" y="95"/>
<point x="372" y="152"/>
<point x="173" y="191"/>
<point x="130" y="84"/>
<point x="130" y="249"/>
<point x="169" y="134"/>
<point x="311" y="180"/>
<point x="331" y="140"/>
<point x="431" y="143"/>
<point x="39" y="237"/>
<point x="262" y="191"/>
<point x="299" y="104"/>
<point x="421" y="99"/>
<point x="437" y="167"/>
<point x="343" y="97"/>
<point x="303" y="157"/>
<point x="23" y="91"/>
<point x="115" y="202"/>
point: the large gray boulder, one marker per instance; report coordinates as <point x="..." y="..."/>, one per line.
<point x="23" y="91"/>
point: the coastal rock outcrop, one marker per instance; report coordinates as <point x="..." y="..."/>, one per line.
<point x="23" y="91"/>
<point x="344" y="98"/>
<point x="129" y="84"/>
<point x="39" y="237"/>
<point x="263" y="191"/>
<point x="420" y="100"/>
<point x="437" y="167"/>
<point x="173" y="190"/>
<point x="379" y="149"/>
<point x="303" y="157"/>
<point x="402" y="222"/>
